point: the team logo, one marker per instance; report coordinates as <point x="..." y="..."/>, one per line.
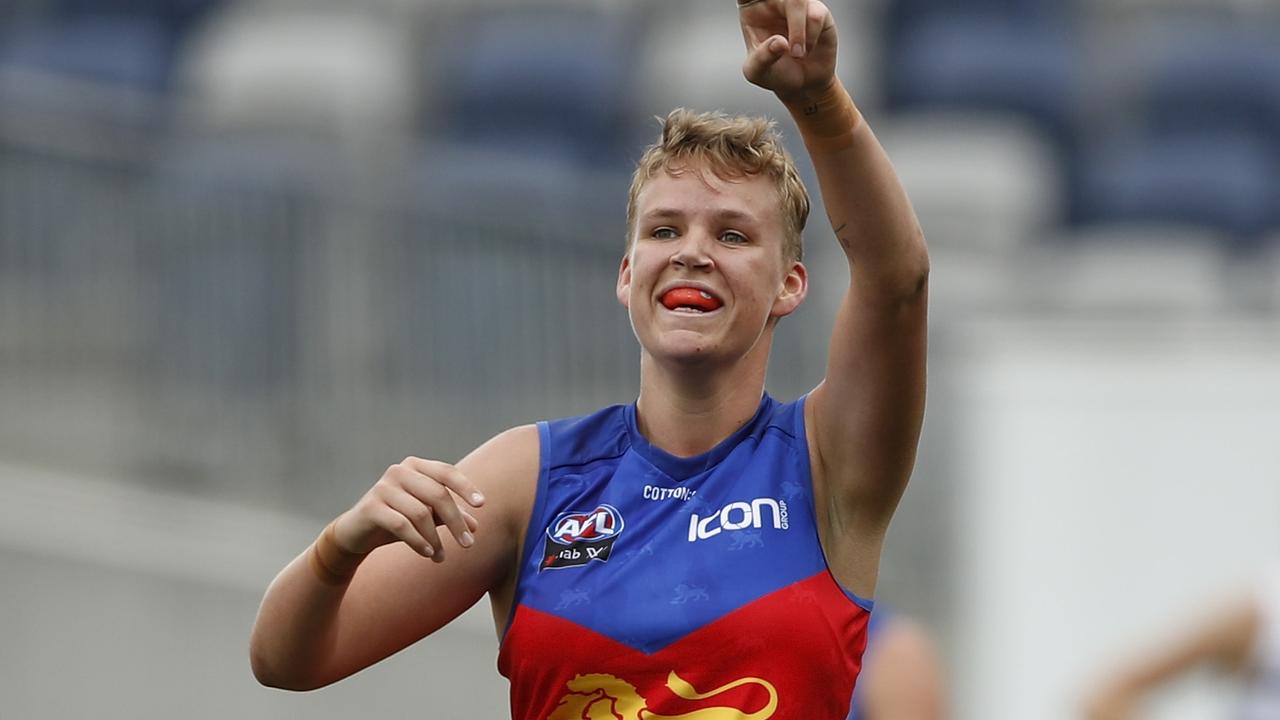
<point x="598" y="695"/>
<point x="576" y="538"/>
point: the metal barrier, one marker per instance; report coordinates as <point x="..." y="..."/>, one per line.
<point x="258" y="335"/>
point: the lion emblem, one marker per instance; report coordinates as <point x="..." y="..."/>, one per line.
<point x="571" y="597"/>
<point x="689" y="593"/>
<point x="598" y="696"/>
<point x="744" y="540"/>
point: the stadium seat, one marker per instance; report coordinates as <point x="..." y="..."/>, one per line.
<point x="1128" y="268"/>
<point x="1224" y="181"/>
<point x="1215" y="80"/>
<point x="336" y="74"/>
<point x="1027" y="70"/>
<point x="987" y="183"/>
<point x="177" y="16"/>
<point x="117" y="51"/>
<point x="470" y="181"/>
<point x="903" y="17"/>
<point x="551" y="84"/>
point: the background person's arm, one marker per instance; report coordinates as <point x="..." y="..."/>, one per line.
<point x="902" y="675"/>
<point x="1222" y="640"/>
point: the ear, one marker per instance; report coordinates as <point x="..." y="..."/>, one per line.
<point x="623" y="289"/>
<point x="795" y="287"/>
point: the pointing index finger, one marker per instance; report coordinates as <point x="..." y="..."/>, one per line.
<point x="797" y="20"/>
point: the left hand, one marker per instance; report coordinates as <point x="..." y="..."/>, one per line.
<point x="791" y="46"/>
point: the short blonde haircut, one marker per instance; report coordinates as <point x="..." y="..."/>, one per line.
<point x="732" y="148"/>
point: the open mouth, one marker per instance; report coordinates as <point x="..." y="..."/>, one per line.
<point x="691" y="301"/>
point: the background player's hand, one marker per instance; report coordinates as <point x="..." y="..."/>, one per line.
<point x="1110" y="704"/>
<point x="791" y="46"/>
<point x="407" y="504"/>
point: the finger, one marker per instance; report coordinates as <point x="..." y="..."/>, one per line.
<point x="402" y="528"/>
<point x="449" y="476"/>
<point x="797" y="26"/>
<point x="440" y="499"/>
<point x="424" y="518"/>
<point x="819" y="19"/>
<point x="763" y="57"/>
<point x="472" y="523"/>
<point x="422" y="515"/>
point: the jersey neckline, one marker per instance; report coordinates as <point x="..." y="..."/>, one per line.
<point x="682" y="468"/>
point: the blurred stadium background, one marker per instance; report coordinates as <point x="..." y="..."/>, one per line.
<point x="253" y="251"/>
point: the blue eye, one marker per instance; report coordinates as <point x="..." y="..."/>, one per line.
<point x="664" y="233"/>
<point x="735" y="238"/>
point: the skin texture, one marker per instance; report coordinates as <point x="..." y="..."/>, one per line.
<point x="1221" y="639"/>
<point x="435" y="549"/>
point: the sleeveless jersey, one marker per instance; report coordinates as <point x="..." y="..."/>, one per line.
<point x="653" y="586"/>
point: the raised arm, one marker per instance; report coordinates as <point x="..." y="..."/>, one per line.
<point x="383" y="575"/>
<point x="864" y="418"/>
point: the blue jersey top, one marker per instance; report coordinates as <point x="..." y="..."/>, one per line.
<point x="670" y="585"/>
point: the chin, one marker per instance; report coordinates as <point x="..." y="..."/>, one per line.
<point x="686" y="348"/>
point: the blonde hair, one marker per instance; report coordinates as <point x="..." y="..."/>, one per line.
<point x="732" y="148"/>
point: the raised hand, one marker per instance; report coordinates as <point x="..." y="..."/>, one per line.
<point x="791" y="46"/>
<point x="407" y="503"/>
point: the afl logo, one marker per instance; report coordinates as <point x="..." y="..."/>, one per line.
<point x="596" y="526"/>
<point x="577" y="538"/>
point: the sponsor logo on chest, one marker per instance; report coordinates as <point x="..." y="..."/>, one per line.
<point x="740" y="515"/>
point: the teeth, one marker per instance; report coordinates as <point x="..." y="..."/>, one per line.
<point x="705" y="295"/>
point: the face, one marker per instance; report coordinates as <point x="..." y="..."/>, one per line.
<point x="705" y="273"/>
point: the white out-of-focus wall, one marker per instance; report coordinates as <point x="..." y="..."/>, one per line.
<point x="121" y="602"/>
<point x="1113" y="479"/>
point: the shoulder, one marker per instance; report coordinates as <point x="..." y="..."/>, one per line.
<point x="514" y="449"/>
<point x="505" y="469"/>
<point x="583" y="439"/>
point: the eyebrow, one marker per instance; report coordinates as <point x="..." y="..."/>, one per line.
<point x="726" y="214"/>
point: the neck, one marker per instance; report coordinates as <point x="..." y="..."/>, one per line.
<point x="686" y="411"/>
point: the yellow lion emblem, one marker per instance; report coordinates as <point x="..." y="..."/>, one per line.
<point x="604" y="697"/>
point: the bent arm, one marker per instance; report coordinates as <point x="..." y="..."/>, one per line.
<point x="867" y="413"/>
<point x="1223" y="641"/>
<point x="310" y="633"/>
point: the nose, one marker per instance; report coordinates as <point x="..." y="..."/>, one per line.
<point x="693" y="251"/>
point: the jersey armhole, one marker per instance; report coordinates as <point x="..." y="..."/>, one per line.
<point x="532" y="532"/>
<point x="867" y="604"/>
